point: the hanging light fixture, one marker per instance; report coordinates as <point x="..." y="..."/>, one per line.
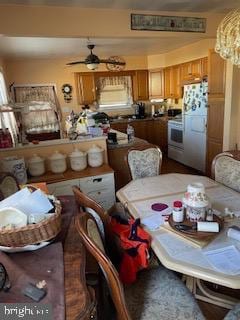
<point x="228" y="37"/>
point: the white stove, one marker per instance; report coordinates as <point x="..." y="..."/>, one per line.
<point x="175" y="139"/>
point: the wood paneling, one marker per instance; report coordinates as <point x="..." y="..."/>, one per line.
<point x="156" y="83"/>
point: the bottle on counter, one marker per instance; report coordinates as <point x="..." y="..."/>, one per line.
<point x="130" y="133"/>
<point x="178" y="214"/>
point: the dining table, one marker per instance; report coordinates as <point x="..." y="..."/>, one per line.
<point x="182" y="253"/>
<point x="61" y="265"/>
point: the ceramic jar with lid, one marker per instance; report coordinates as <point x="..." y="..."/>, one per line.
<point x="95" y="156"/>
<point x="36" y="166"/>
<point x="58" y="162"/>
<point x="196" y="202"/>
<point x="78" y="160"/>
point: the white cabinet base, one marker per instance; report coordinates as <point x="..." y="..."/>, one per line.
<point x="101" y="188"/>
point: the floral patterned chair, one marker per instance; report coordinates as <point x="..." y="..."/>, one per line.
<point x="8" y="185"/>
<point x="226" y="170"/>
<point x="144" y="161"/>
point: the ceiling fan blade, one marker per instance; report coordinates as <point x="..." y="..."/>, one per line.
<point x="112" y="62"/>
<point x="75" y="62"/>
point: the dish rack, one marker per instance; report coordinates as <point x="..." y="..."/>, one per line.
<point x="33" y="233"/>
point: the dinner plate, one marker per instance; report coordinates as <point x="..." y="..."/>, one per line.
<point x="31" y="247"/>
<point x="193" y="233"/>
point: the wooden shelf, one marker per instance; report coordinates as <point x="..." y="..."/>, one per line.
<point x="50" y="177"/>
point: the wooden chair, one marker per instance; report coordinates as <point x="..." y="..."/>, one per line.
<point x="8" y="185"/>
<point x="144" y="161"/>
<point x="158" y="293"/>
<point x="226" y="170"/>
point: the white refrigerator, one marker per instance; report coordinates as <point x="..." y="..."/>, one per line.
<point x="195" y="102"/>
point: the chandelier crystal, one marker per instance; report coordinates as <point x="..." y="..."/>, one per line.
<point x="228" y="37"/>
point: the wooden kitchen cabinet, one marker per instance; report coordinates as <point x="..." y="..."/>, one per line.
<point x="119" y="126"/>
<point x="216" y="75"/>
<point x="86" y="88"/>
<point x="140" y="85"/>
<point x="172" y="82"/>
<point x="191" y="70"/>
<point x="140" y="128"/>
<point x="156" y="83"/>
<point x="216" y="102"/>
<point x="204" y="67"/>
<point x="175" y="82"/>
<point x="167" y="80"/>
<point x="157" y="134"/>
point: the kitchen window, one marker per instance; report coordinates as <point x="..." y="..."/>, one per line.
<point x="114" y="92"/>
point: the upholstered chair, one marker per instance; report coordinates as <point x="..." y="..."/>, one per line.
<point x="158" y="292"/>
<point x="144" y="161"/>
<point x="8" y="185"/>
<point x="226" y="170"/>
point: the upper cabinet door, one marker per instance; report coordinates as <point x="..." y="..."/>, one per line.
<point x="175" y="88"/>
<point x="191" y="71"/>
<point x="167" y="80"/>
<point x="196" y="68"/>
<point x="156" y="83"/>
<point x="140" y="85"/>
<point x="216" y="75"/>
<point x="185" y="70"/>
<point x="204" y="67"/>
<point x="86" y="88"/>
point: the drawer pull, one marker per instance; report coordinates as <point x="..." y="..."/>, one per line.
<point x="97" y="180"/>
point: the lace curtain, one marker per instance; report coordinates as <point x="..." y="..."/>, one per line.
<point x="41" y="110"/>
<point x="114" y="91"/>
<point x="7" y="118"/>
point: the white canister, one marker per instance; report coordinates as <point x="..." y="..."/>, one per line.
<point x="36" y="166"/>
<point x="95" y="156"/>
<point x="78" y="160"/>
<point x="58" y="162"/>
<point x="17" y="167"/>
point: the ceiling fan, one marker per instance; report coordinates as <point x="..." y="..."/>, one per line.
<point x="92" y="61"/>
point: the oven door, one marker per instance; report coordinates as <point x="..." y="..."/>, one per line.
<point x="175" y="135"/>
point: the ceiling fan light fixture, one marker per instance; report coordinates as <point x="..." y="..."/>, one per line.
<point x="92" y="66"/>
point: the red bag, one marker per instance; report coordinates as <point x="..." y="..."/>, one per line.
<point x="135" y="241"/>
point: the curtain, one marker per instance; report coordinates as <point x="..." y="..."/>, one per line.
<point x="114" y="90"/>
<point x="3" y="91"/>
<point x="41" y="110"/>
<point x="7" y="117"/>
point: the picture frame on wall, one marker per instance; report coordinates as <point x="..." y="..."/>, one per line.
<point x="167" y="23"/>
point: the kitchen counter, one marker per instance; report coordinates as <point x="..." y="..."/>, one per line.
<point x="122" y="141"/>
<point x="164" y="118"/>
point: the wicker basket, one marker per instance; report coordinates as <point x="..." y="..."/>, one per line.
<point x="33" y="233"/>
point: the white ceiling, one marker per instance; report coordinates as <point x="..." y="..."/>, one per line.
<point x="74" y="48"/>
<point x="27" y="47"/>
<point x="161" y="5"/>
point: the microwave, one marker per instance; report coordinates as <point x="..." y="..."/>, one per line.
<point x="174" y="112"/>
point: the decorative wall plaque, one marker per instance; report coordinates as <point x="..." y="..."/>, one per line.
<point x="167" y="23"/>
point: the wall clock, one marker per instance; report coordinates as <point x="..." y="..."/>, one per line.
<point x="113" y="66"/>
<point x="67" y="90"/>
